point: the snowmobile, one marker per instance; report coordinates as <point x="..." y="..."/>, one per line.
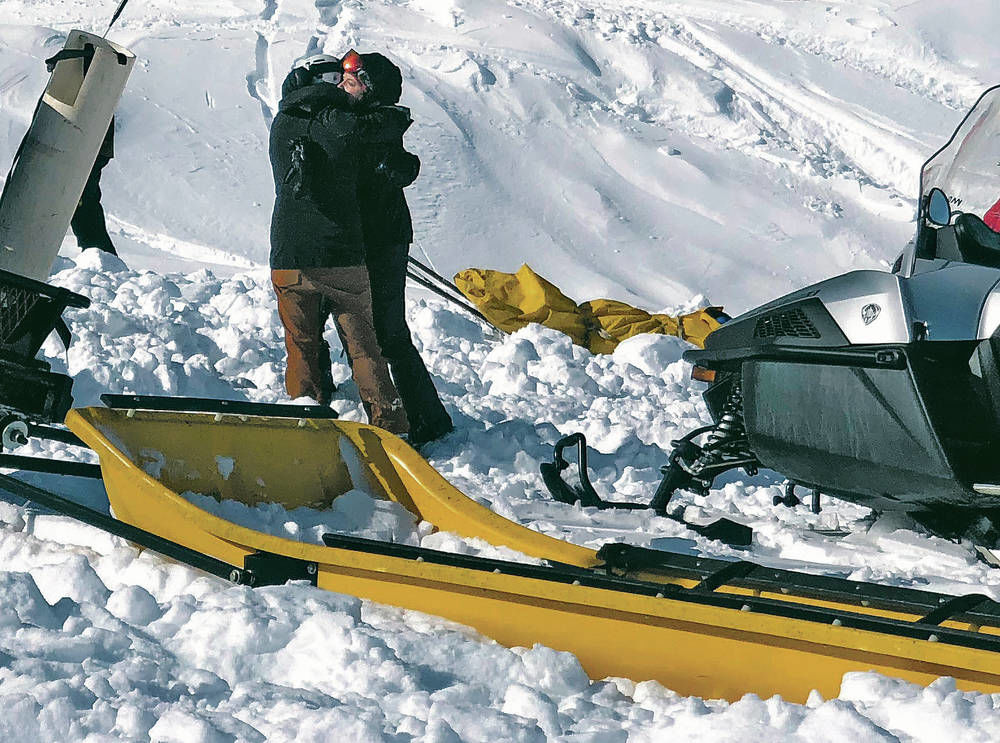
<point x="878" y="387"/>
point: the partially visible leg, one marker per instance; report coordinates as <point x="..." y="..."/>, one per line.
<point x="348" y="297"/>
<point x="427" y="416"/>
<point x="299" y="310"/>
<point x="327" y="386"/>
<point x="88" y="221"/>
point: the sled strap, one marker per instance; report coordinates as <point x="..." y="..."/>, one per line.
<point x="62" y="330"/>
<point x="721" y="577"/>
<point x="628" y="557"/>
<point x="86" y="54"/>
<point x="953" y="607"/>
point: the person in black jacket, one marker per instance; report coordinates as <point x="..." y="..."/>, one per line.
<point x="317" y="243"/>
<point x="385" y="169"/>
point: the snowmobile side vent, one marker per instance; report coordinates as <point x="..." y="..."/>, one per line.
<point x="788" y="323"/>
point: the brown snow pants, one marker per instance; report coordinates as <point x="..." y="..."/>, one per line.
<point x="306" y="297"/>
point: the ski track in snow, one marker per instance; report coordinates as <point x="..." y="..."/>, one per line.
<point x="654" y="152"/>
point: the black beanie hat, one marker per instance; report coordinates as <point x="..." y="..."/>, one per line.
<point x="386" y="79"/>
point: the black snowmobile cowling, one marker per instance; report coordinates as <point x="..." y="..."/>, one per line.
<point x="880" y="387"/>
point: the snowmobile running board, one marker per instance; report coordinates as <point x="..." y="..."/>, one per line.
<point x="702" y="627"/>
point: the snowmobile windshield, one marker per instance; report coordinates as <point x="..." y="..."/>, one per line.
<point x="967" y="169"/>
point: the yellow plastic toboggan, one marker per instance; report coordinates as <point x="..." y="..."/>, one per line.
<point x="700" y="626"/>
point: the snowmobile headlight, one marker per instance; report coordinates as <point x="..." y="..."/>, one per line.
<point x="989" y="319"/>
<point x="702" y="374"/>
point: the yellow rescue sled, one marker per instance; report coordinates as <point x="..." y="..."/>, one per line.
<point x="699" y="626"/>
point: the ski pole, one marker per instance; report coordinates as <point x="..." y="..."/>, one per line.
<point x="114" y="18"/>
<point x="442" y="282"/>
<point x="429" y="270"/>
<point x="441" y="293"/>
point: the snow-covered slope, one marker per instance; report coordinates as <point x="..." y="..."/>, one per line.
<point x="733" y="150"/>
<point x="657" y="152"/>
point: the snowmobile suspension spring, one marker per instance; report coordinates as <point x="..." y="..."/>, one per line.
<point x="731" y="427"/>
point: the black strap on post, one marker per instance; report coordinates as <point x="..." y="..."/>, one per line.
<point x="86" y="54"/>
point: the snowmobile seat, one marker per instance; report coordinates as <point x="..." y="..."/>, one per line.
<point x="977" y="243"/>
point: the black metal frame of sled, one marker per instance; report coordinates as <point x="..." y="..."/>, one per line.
<point x="712" y="574"/>
<point x="259" y="569"/>
<point x="29" y="311"/>
<point x="262" y="569"/>
<point x="210" y="405"/>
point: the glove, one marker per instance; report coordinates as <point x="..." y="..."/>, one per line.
<point x="400" y="168"/>
<point x="297" y="78"/>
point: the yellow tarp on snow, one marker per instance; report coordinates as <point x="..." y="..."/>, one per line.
<point x="512" y="301"/>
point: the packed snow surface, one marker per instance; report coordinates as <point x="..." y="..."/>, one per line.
<point x="667" y="154"/>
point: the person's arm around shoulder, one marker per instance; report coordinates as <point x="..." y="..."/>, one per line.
<point x="336" y="121"/>
<point x="382" y="124"/>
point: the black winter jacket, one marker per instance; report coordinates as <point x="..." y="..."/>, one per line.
<point x="385" y="169"/>
<point x="316" y="221"/>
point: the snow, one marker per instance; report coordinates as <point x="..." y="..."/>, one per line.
<point x="669" y="154"/>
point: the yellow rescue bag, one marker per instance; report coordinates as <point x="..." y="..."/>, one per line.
<point x="512" y="301"/>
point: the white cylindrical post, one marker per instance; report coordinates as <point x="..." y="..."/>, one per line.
<point x="58" y="152"/>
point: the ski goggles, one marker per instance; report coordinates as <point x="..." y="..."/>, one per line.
<point x="328" y="71"/>
<point x="352" y="64"/>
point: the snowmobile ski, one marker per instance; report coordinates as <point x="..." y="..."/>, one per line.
<point x="724" y="530"/>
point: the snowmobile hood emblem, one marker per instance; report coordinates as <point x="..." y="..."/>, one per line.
<point x="870" y="312"/>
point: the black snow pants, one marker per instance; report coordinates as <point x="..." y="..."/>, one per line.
<point x="427" y="416"/>
<point x="88" y="220"/>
